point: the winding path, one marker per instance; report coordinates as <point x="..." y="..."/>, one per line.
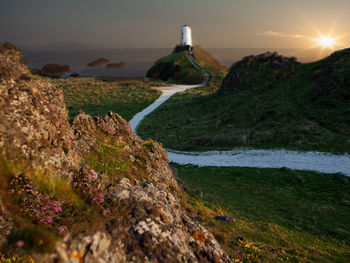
<point x="311" y="161"/>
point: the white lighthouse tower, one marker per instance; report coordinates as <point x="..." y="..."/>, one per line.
<point x="186" y="39"/>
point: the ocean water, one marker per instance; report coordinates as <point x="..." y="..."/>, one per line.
<point x="139" y="60"/>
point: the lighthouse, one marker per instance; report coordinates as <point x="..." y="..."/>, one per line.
<point x="186" y="37"/>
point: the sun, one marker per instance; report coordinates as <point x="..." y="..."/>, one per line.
<point x="326" y="42"/>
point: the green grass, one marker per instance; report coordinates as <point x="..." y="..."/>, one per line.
<point x="305" y="214"/>
<point x="285" y="112"/>
<point x="176" y="68"/>
<point x="98" y="96"/>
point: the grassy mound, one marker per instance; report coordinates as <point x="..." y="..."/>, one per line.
<point x="307" y="108"/>
<point x="178" y="69"/>
<point x="175" y="68"/>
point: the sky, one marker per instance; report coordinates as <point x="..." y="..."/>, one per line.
<point x="157" y="23"/>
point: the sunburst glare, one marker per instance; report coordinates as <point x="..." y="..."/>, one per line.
<point x="326" y="42"/>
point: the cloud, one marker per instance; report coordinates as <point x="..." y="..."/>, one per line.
<point x="279" y="34"/>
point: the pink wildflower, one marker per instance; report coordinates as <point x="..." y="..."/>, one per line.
<point x="106" y="211"/>
<point x="62" y="229"/>
<point x="94" y="175"/>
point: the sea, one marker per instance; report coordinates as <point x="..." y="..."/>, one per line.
<point x="140" y="60"/>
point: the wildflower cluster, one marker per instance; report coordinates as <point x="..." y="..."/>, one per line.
<point x="107" y="129"/>
<point x="41" y="208"/>
<point x="86" y="182"/>
<point x="249" y="251"/>
<point x="16" y="259"/>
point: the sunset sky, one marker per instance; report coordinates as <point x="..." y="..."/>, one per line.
<point x="156" y="23"/>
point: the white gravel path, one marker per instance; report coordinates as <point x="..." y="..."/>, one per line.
<point x="309" y="161"/>
<point x="312" y="161"/>
<point x="167" y="93"/>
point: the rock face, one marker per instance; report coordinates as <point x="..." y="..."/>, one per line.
<point x="98" y="62"/>
<point x="243" y="74"/>
<point x="33" y="116"/>
<point x="54" y="70"/>
<point x="116" y="65"/>
<point x="148" y="223"/>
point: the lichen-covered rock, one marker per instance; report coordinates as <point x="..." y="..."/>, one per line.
<point x="157" y="229"/>
<point x="33" y="117"/>
<point x="85" y="128"/>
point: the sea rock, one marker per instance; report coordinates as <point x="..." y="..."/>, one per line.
<point x="54" y="70"/>
<point x="98" y="62"/>
<point x="116" y="65"/>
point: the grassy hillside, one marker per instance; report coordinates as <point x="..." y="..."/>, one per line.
<point x="280" y="215"/>
<point x="175" y="68"/>
<point x="209" y="62"/>
<point x="307" y="108"/>
<point x="97" y="96"/>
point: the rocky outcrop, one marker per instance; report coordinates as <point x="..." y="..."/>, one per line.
<point x="153" y="227"/>
<point x="332" y="80"/>
<point x="141" y="217"/>
<point x="244" y="74"/>
<point x="98" y="62"/>
<point x="54" y="70"/>
<point x="116" y="65"/>
<point x="33" y="117"/>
